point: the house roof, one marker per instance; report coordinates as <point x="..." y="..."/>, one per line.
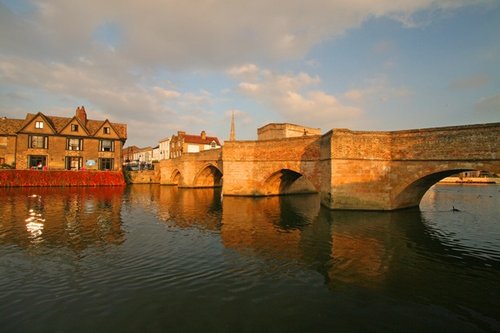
<point x="12" y="126"/>
<point x="197" y="139"/>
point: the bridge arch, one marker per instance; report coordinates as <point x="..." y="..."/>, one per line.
<point x="208" y="176"/>
<point x="176" y="177"/>
<point x="287" y="181"/>
<point x="410" y="193"/>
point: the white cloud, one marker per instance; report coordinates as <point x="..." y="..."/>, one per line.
<point x="107" y="93"/>
<point x="166" y="93"/>
<point x="243" y="70"/>
<point x="470" y="82"/>
<point x="376" y="89"/>
<point x="294" y="97"/>
<point x="489" y="104"/>
<point x="183" y="34"/>
<point x="240" y="117"/>
<point x="60" y="49"/>
<point x="354" y="95"/>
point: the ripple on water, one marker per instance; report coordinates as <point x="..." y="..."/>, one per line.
<point x="170" y="259"/>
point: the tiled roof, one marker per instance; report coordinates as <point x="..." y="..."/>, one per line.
<point x="11" y="126"/>
<point x="197" y="139"/>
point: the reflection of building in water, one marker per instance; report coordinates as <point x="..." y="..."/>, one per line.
<point x="198" y="208"/>
<point x="77" y="217"/>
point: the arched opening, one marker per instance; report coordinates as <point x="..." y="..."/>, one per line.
<point x="287" y="181"/>
<point x="412" y="194"/>
<point x="209" y="176"/>
<point x="176" y="178"/>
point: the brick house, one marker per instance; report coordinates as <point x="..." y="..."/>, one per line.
<point x="58" y="143"/>
<point x="188" y="143"/>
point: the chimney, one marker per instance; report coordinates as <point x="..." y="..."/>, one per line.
<point x="181" y="133"/>
<point x="203" y="135"/>
<point x="81" y="114"/>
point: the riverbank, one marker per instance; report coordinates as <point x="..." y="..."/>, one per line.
<point x="470" y="180"/>
<point x="37" y="178"/>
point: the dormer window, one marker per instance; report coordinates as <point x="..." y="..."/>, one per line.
<point x="38" y="124"/>
<point x="106" y="130"/>
<point x="74" y="128"/>
<point x="213" y="144"/>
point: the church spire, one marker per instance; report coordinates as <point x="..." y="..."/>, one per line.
<point x="232" y="134"/>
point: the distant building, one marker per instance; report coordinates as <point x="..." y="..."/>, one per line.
<point x="280" y="131"/>
<point x="164" y="146"/>
<point x="50" y="142"/>
<point x="156" y="154"/>
<point x="143" y="155"/>
<point x="183" y="143"/>
<point x="128" y="153"/>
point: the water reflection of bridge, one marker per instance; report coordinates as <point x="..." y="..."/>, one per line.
<point x="367" y="250"/>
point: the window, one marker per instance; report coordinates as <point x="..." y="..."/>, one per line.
<point x="37" y="161"/>
<point x="38" y="124"/>
<point x="107" y="145"/>
<point x="74" y="144"/>
<point x="106" y="164"/>
<point x="213" y="144"/>
<point x="106" y="130"/>
<point x="74" y="128"/>
<point x="38" y="142"/>
<point x="73" y="163"/>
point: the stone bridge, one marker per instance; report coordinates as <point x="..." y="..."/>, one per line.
<point x="349" y="169"/>
<point x="197" y="170"/>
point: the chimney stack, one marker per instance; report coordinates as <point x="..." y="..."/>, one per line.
<point x="81" y="114"/>
<point x="203" y="135"/>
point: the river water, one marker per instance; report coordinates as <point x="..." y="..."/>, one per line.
<point x="149" y="258"/>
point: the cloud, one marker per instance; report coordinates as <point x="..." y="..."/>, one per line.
<point x="293" y="96"/>
<point x="186" y="34"/>
<point x="471" y="82"/>
<point x="382" y="47"/>
<point x="354" y="95"/>
<point x="376" y="89"/>
<point x="107" y="92"/>
<point x="105" y="54"/>
<point x="240" y="117"/>
<point x="489" y="104"/>
<point x="166" y="93"/>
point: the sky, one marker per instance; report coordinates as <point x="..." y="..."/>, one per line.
<point x="161" y="66"/>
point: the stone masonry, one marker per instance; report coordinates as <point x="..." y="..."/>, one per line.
<point x="349" y="169"/>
